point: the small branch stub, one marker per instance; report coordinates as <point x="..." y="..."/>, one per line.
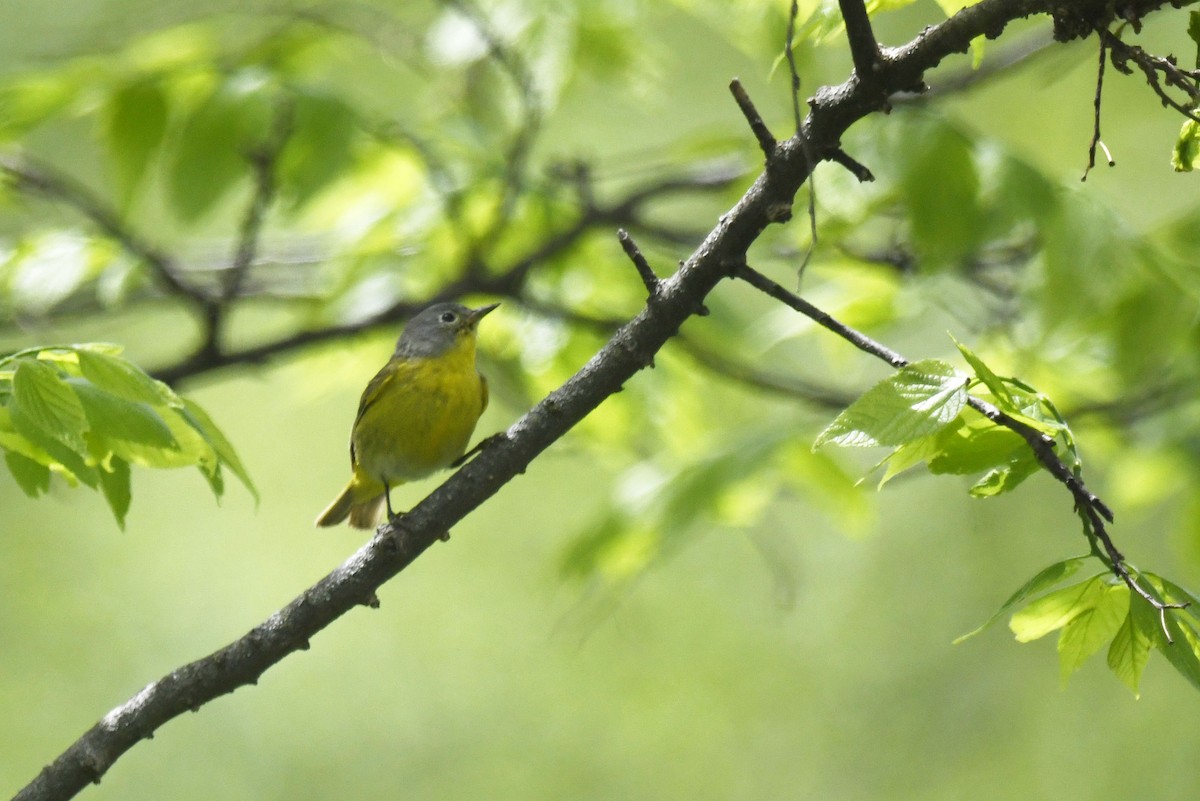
<point x="766" y="140"/>
<point x="639" y="261"/>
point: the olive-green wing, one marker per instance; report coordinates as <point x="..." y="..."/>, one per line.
<point x="392" y="371"/>
<point x="483" y="389"/>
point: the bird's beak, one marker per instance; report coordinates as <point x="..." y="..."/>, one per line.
<point x="475" y="315"/>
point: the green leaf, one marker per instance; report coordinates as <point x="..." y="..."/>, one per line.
<point x="32" y="477"/>
<point x="1130" y="648"/>
<point x="204" y="424"/>
<point x="1007" y="478"/>
<point x="114" y="421"/>
<point x="985" y="374"/>
<point x="319" y="149"/>
<point x="976" y="445"/>
<point x="940" y="186"/>
<point x="1089" y="631"/>
<point x="1187" y="147"/>
<point x="1055" y="610"/>
<point x="124" y="379"/>
<point x="114" y="483"/>
<point x="1046" y="578"/>
<point x="210" y="158"/>
<point x="135" y="121"/>
<point x="918" y="400"/>
<point x="42" y="401"/>
<point x="27" y="102"/>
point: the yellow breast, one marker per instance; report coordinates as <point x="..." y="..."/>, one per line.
<point x="417" y="416"/>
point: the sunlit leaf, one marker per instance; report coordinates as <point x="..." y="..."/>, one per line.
<point x="1045" y="579"/>
<point x="1092" y="629"/>
<point x="123" y="379"/>
<point x="113" y="420"/>
<point x="916" y="401"/>
<point x="43" y="402"/>
<point x="1130" y="648"/>
<point x="1187" y="147"/>
<point x="1055" y="610"/>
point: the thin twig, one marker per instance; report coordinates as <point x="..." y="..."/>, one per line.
<point x="263" y="161"/>
<point x="789" y="47"/>
<point x="516" y="158"/>
<point x="1096" y="115"/>
<point x="1092" y="510"/>
<point x="1186" y="80"/>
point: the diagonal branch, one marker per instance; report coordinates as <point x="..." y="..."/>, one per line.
<point x="34" y="178"/>
<point x="631" y="348"/>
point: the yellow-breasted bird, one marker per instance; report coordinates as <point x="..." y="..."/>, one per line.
<point x="416" y="415"/>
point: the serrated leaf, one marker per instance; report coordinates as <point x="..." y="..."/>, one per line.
<point x="918" y="400"/>
<point x="114" y="483"/>
<point x="113" y="421"/>
<point x="204" y="424"/>
<point x="1055" y="610"/>
<point x="124" y="379"/>
<point x="1089" y="631"/>
<point x="42" y="401"/>
<point x="135" y="122"/>
<point x="1130" y="648"/>
<point x="32" y="477"/>
<point x="1045" y="579"/>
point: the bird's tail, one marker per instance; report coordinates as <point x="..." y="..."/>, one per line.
<point x="362" y="514"/>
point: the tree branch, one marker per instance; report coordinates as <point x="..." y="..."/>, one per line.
<point x="1093" y="512"/>
<point x="864" y="47"/>
<point x="29" y="176"/>
<point x="632" y="347"/>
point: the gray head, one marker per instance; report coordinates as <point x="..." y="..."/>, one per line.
<point x="438" y="328"/>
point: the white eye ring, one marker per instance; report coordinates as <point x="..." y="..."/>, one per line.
<point x="448" y="317"/>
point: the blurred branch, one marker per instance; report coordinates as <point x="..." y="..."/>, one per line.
<point x="40" y="179"/>
<point x="722" y="255"/>
<point x="516" y="158"/>
<point x="505" y="280"/>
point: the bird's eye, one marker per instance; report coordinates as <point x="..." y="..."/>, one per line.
<point x="448" y="317"/>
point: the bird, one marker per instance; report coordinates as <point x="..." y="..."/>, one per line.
<point x="416" y="415"/>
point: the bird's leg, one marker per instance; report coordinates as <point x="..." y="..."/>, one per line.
<point x="387" y="494"/>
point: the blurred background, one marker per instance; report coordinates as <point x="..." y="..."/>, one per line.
<point x="680" y="599"/>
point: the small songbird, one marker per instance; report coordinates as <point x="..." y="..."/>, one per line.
<point x="416" y="415"/>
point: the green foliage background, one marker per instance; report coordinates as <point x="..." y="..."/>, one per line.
<point x="680" y="600"/>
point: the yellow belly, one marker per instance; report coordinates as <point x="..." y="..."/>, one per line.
<point x="419" y="420"/>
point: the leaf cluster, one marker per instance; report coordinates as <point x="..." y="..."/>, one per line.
<point x="86" y="414"/>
